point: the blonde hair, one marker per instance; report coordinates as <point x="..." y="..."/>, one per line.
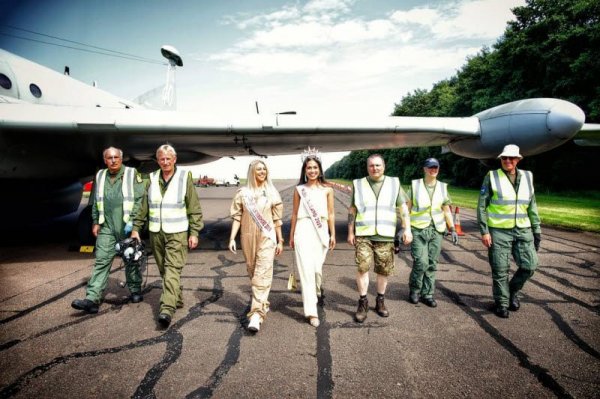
<point x="271" y="191"/>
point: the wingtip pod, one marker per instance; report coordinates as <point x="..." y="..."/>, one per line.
<point x="536" y="125"/>
<point x="565" y="119"/>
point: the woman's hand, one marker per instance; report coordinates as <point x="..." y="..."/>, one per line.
<point x="279" y="248"/>
<point x="331" y="242"/>
<point x="232" y="247"/>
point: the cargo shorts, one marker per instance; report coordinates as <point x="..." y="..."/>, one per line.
<point x="381" y="253"/>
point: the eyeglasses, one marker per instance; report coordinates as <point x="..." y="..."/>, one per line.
<point x="432" y="167"/>
<point x="509" y="158"/>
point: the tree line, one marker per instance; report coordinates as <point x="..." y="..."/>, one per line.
<point x="551" y="49"/>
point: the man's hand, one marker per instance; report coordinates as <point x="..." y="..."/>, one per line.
<point x="136" y="235"/>
<point x="351" y="238"/>
<point x="95" y="230"/>
<point x="454" y="235"/>
<point x="192" y="241"/>
<point x="486" y="239"/>
<point x="407" y="237"/>
<point x="537" y="238"/>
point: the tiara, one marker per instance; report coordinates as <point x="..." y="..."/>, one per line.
<point x="310" y="153"/>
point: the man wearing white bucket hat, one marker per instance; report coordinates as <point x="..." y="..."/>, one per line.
<point x="509" y="223"/>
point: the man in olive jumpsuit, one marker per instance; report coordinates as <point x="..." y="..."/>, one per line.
<point x="117" y="195"/>
<point x="429" y="204"/>
<point x="175" y="219"/>
<point x="509" y="223"/>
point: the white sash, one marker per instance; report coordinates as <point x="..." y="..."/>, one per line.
<point x="314" y="216"/>
<point x="260" y="221"/>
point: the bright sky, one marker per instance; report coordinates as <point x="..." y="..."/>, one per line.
<point x="316" y="57"/>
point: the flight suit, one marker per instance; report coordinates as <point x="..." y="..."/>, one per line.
<point x="427" y="242"/>
<point x="170" y="250"/>
<point x="517" y="241"/>
<point x="111" y="232"/>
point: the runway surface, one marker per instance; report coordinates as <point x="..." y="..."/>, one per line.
<point x="549" y="348"/>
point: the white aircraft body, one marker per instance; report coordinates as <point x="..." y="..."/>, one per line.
<point x="53" y="129"/>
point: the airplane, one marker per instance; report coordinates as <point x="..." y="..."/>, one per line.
<point x="53" y="129"/>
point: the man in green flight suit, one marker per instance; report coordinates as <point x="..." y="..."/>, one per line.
<point x="117" y="195"/>
<point x="175" y="219"/>
<point x="509" y="223"/>
<point x="429" y="204"/>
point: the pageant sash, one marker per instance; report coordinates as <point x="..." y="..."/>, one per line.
<point x="314" y="216"/>
<point x="260" y="221"/>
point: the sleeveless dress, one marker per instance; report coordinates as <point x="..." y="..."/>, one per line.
<point x="309" y="251"/>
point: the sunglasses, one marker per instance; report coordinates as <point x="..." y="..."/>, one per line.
<point x="509" y="158"/>
<point x="432" y="167"/>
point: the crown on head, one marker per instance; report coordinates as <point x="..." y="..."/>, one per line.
<point x="310" y="153"/>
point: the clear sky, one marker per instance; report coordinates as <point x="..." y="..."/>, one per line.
<point x="316" y="57"/>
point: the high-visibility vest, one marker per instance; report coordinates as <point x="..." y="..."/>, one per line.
<point x="508" y="208"/>
<point x="425" y="209"/>
<point x="376" y="215"/>
<point x="126" y="189"/>
<point x="168" y="212"/>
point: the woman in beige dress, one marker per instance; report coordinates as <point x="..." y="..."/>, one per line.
<point x="312" y="233"/>
<point x="257" y="210"/>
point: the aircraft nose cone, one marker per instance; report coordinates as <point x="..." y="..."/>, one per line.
<point x="565" y="120"/>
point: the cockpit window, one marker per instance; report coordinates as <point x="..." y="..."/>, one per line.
<point x="5" y="82"/>
<point x="35" y="90"/>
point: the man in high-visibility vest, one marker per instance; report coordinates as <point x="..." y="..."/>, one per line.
<point x="175" y="219"/>
<point x="509" y="223"/>
<point x="378" y="202"/>
<point x="429" y="205"/>
<point x="116" y="197"/>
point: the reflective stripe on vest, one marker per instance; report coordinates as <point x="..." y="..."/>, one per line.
<point x="168" y="212"/>
<point x="508" y="208"/>
<point x="375" y="216"/>
<point x="425" y="209"/>
<point x="126" y="189"/>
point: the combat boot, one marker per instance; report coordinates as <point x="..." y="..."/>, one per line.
<point x="363" y="309"/>
<point x="380" y="307"/>
<point x="513" y="303"/>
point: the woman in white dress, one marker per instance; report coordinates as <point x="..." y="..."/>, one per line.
<point x="312" y="233"/>
<point x="256" y="210"/>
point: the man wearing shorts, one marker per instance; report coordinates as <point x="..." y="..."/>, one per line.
<point x="378" y="202"/>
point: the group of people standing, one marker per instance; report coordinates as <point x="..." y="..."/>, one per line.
<point x="380" y="216"/>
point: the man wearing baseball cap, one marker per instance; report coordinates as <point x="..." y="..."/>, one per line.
<point x="509" y="223"/>
<point x="430" y="215"/>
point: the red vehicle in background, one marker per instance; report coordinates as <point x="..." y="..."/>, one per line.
<point x="205" y="181"/>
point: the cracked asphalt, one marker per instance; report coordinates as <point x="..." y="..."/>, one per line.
<point x="549" y="348"/>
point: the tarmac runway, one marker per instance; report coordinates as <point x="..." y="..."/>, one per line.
<point x="549" y="348"/>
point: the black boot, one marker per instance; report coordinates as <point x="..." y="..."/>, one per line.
<point x="363" y="309"/>
<point x="380" y="306"/>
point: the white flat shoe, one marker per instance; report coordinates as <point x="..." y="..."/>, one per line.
<point x="314" y="321"/>
<point x="254" y="324"/>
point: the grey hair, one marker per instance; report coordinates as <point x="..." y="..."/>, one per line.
<point x="112" y="148"/>
<point x="166" y="148"/>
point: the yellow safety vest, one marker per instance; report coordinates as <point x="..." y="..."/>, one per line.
<point x="376" y="215"/>
<point x="508" y="208"/>
<point x="168" y="212"/>
<point x="126" y="189"/>
<point x="425" y="209"/>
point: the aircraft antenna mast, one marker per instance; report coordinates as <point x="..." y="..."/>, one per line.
<point x="168" y="95"/>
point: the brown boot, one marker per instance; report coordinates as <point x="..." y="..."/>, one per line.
<point x="363" y="309"/>
<point x="380" y="307"/>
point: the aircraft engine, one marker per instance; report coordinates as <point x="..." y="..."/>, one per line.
<point x="535" y="125"/>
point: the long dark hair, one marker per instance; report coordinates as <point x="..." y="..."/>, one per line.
<point x="303" y="178"/>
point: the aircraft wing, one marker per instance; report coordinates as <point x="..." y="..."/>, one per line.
<point x="589" y="135"/>
<point x="71" y="139"/>
<point x="78" y="135"/>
